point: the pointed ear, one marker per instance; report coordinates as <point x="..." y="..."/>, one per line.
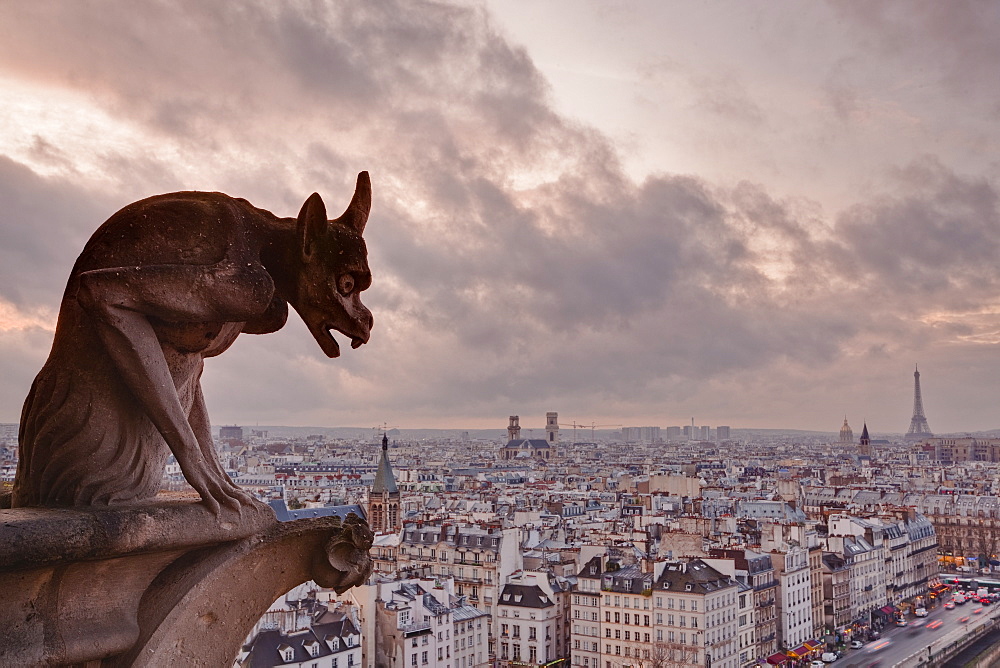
<point x="311" y="224"/>
<point x="357" y="212"/>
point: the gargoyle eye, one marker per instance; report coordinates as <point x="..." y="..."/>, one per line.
<point x="345" y="284"/>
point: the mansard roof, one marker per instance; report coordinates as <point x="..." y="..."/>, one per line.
<point x="695" y="577"/>
<point x="525" y="596"/>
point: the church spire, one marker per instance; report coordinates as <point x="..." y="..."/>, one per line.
<point x="385" y="481"/>
<point x="383" y="497"/>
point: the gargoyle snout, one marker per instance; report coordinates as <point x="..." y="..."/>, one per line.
<point x="367" y="321"/>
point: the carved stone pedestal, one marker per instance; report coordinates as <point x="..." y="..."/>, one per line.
<point x="160" y="584"/>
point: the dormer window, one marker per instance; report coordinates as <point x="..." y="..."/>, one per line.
<point x="287" y="652"/>
<point x="517" y="598"/>
<point x="506" y="597"/>
<point x="313" y="649"/>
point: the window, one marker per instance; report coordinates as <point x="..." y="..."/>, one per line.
<point x="423" y="657"/>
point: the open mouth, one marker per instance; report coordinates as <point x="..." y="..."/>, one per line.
<point x="324" y="336"/>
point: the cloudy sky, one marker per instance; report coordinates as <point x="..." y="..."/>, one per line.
<point x="760" y="214"/>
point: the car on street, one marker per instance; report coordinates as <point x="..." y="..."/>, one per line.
<point x="962" y="620"/>
<point x="901" y="622"/>
<point x="935" y="624"/>
<point x="920" y="612"/>
<point x="881" y="644"/>
<point x="829" y="657"/>
<point x="857" y="644"/>
<point x="977" y="611"/>
<point x="950" y="605"/>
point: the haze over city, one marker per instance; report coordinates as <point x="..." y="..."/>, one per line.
<point x="760" y="214"/>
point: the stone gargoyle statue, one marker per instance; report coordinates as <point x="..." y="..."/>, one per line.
<point x="163" y="284"/>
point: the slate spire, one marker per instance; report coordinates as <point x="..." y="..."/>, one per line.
<point x="385" y="481"/>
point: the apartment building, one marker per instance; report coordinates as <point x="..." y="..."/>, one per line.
<point x="479" y="558"/>
<point x="696" y="615"/>
<point x="529" y="624"/>
<point x="422" y="624"/>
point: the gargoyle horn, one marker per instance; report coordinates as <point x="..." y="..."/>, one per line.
<point x="357" y="212"/>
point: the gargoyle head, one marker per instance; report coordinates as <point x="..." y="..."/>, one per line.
<point x="347" y="553"/>
<point x="334" y="270"/>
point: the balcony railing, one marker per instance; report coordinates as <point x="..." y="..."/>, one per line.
<point x="415" y="627"/>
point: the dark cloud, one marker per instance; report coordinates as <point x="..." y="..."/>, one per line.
<point x="43" y="225"/>
<point x="517" y="268"/>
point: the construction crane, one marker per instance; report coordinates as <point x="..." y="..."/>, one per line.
<point x="575" y="425"/>
<point x="384" y="428"/>
<point x="593" y="426"/>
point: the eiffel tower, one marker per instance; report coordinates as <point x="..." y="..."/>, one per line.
<point x="918" y="430"/>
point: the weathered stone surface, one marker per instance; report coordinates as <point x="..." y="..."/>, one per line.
<point x="92" y="571"/>
<point x="150" y="586"/>
<point x="160" y="286"/>
<point x="32" y="537"/>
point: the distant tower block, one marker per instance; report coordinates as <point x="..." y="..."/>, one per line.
<point x="513" y="429"/>
<point x="918" y="430"/>
<point x="552" y="427"/>
<point x="846" y="434"/>
<point x="722" y="433"/>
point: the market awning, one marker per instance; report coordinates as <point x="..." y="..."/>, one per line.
<point x="813" y="645"/>
<point x="777" y="659"/>
<point x="799" y="652"/>
<point x="888" y="609"/>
